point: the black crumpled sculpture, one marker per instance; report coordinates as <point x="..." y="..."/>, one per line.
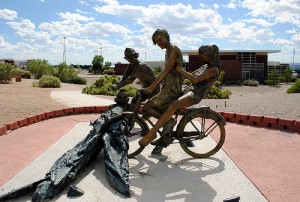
<point x="65" y="169"/>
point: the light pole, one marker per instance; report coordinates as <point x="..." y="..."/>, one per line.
<point x="64" y="52"/>
<point x="101" y="50"/>
<point x="294" y="55"/>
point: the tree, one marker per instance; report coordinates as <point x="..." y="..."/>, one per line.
<point x="107" y="64"/>
<point x="272" y="78"/>
<point x="287" y="75"/>
<point x="97" y="64"/>
<point x="39" y="67"/>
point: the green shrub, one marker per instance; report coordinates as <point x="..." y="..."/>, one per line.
<point x="157" y="70"/>
<point x="221" y="76"/>
<point x="130" y="90"/>
<point x="251" y="82"/>
<point x="217" y="93"/>
<point x="38" y="68"/>
<point x="21" y="73"/>
<point x="108" y="71"/>
<point x="103" y="86"/>
<point x="295" y="88"/>
<point x="47" y="81"/>
<point x="218" y="83"/>
<point x="78" y="80"/>
<point x="6" y="72"/>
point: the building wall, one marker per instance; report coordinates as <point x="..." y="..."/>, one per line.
<point x="120" y="68"/>
<point x="231" y="67"/>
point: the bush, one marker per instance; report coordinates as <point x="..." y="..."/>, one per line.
<point x="251" y="82"/>
<point x="38" y="68"/>
<point x="217" y="93"/>
<point x="103" y="86"/>
<point x="78" y="80"/>
<point x="295" y="88"/>
<point x="47" y="81"/>
<point x="108" y="71"/>
<point x="6" y="72"/>
<point x="157" y="70"/>
<point x="21" y="73"/>
<point x="130" y="90"/>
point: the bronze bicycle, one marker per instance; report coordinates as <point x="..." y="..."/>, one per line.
<point x="201" y="125"/>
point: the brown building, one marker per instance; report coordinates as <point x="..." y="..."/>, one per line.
<point x="237" y="64"/>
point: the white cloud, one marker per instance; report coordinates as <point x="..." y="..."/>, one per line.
<point x="231" y="5"/>
<point x="296" y="38"/>
<point x="261" y="22"/>
<point x="8" y="14"/>
<point x="177" y="18"/>
<point x="71" y="28"/>
<point x="83" y="3"/>
<point x="291" y="31"/>
<point x="74" y="17"/>
<point x="281" y="11"/>
<point x="238" y="32"/>
<point x="26" y="30"/>
<point x="216" y="6"/>
<point x="110" y="2"/>
<point x="2" y="42"/>
<point x="282" y="41"/>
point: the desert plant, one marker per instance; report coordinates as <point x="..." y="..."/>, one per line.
<point x="272" y="78"/>
<point x="104" y="86"/>
<point x="130" y="90"/>
<point x="38" y="68"/>
<point x="78" y="80"/>
<point x="251" y="82"/>
<point x="217" y="93"/>
<point x="6" y="72"/>
<point x="287" y="75"/>
<point x="157" y="70"/>
<point x="21" y="73"/>
<point x="295" y="88"/>
<point x="109" y="71"/>
<point x="47" y="81"/>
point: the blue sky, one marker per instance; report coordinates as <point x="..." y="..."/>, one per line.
<point x="34" y="29"/>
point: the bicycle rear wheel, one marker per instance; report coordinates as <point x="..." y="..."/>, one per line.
<point x="205" y="128"/>
<point x="134" y="133"/>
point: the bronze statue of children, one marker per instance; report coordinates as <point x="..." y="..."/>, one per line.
<point x="171" y="88"/>
<point x="137" y="70"/>
<point x="202" y="79"/>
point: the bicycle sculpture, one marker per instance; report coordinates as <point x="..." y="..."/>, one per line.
<point x="203" y="126"/>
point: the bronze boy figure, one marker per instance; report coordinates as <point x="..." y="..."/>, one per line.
<point x="137" y="70"/>
<point x="171" y="88"/>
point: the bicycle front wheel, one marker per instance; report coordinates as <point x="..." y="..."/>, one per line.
<point x="134" y="133"/>
<point x="205" y="128"/>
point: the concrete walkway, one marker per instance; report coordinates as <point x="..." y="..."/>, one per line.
<point x="256" y="164"/>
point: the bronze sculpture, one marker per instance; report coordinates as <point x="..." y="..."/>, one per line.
<point x="171" y="80"/>
<point x="202" y="79"/>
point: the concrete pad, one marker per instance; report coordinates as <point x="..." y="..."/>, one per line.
<point x="79" y="99"/>
<point x="174" y="176"/>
